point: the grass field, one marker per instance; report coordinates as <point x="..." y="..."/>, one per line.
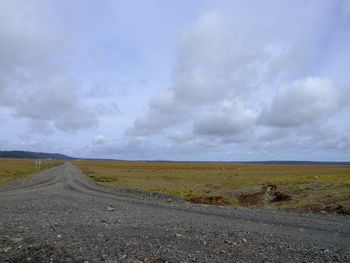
<point x="272" y="186"/>
<point x="11" y="169"/>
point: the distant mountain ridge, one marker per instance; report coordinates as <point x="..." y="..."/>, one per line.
<point x="33" y="155"/>
<point x="40" y="155"/>
<point x="258" y="162"/>
<point x="297" y="162"/>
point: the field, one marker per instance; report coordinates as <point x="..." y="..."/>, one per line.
<point x="317" y="188"/>
<point x="11" y="169"/>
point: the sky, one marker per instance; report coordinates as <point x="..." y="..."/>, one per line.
<point x="191" y="80"/>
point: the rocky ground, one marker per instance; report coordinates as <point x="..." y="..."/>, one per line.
<point x="62" y="216"/>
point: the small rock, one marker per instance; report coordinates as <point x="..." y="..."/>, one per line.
<point x="151" y="260"/>
<point x="5" y="250"/>
<point x="16" y="239"/>
<point x="59" y="236"/>
<point x="244" y="240"/>
<point x="110" y="208"/>
<point x="178" y="235"/>
<point x="234" y="243"/>
<point x="123" y="256"/>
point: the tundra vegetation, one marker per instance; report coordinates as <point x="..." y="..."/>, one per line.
<point x="291" y="187"/>
<point x="11" y="169"/>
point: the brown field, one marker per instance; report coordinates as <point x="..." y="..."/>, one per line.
<point x="11" y="169"/>
<point x="270" y="186"/>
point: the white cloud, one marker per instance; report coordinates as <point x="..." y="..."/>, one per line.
<point x="231" y="120"/>
<point x="214" y="64"/>
<point x="214" y="61"/>
<point x="35" y="57"/>
<point x="224" y="75"/>
<point x="218" y="62"/>
<point x="214" y="78"/>
<point x="55" y="101"/>
<point x="301" y="102"/>
<point x="163" y="112"/>
<point x="335" y="144"/>
<point x="180" y="137"/>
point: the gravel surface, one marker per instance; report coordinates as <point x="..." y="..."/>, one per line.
<point x="60" y="215"/>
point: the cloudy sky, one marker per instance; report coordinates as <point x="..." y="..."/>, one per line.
<point x="177" y="80"/>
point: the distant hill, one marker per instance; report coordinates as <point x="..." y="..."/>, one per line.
<point x="298" y="163"/>
<point x="33" y="155"/>
<point x="253" y="162"/>
<point x="58" y="156"/>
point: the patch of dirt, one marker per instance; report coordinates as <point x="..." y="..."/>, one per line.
<point x="306" y="197"/>
<point x="278" y="196"/>
<point x="339" y="210"/>
<point x="258" y="196"/>
<point x="210" y="200"/>
<point x="330" y="209"/>
<point x="253" y="199"/>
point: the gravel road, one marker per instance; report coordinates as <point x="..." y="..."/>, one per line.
<point x="60" y="215"/>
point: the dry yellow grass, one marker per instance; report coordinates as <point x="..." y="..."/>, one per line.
<point x="204" y="180"/>
<point x="11" y="169"/>
<point x="141" y="175"/>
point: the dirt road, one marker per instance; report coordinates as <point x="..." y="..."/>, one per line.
<point x="62" y="216"/>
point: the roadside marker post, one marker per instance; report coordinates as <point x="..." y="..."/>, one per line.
<point x="38" y="164"/>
